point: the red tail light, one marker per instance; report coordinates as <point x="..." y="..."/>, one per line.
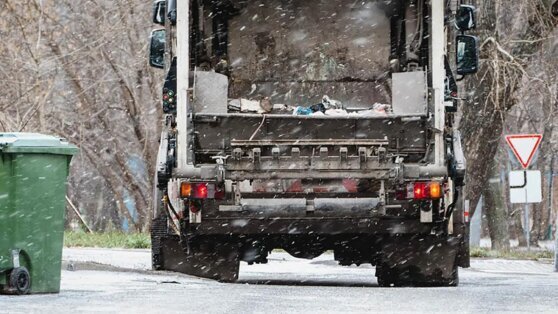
<point x="201" y="191"/>
<point x="419" y="191"/>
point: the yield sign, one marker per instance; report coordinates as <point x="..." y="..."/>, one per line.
<point x="524" y="146"/>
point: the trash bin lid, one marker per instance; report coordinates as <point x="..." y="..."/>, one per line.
<point x="35" y="143"/>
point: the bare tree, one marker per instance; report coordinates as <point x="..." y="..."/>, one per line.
<point x="78" y="69"/>
<point x="511" y="33"/>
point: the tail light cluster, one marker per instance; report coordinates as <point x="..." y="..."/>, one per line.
<point x="201" y="190"/>
<point x="419" y="191"/>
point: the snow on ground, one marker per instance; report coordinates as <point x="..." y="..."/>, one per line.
<point x="286" y="285"/>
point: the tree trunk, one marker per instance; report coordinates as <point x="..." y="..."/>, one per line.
<point x="496" y="214"/>
<point x="518" y="230"/>
<point x="480" y="123"/>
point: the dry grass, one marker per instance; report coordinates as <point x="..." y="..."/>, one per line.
<point x="512" y="254"/>
<point x="107" y="240"/>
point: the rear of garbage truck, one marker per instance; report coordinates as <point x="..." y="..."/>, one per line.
<point x="312" y="126"/>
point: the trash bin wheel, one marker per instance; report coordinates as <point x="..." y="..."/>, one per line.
<point x="20" y="280"/>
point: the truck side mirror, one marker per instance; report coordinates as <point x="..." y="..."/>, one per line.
<point x="159" y="12"/>
<point x="157" y="49"/>
<point x="467" y="54"/>
<point x="171" y="12"/>
<point x="465" y="18"/>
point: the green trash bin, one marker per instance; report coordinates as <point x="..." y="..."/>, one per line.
<point x="33" y="173"/>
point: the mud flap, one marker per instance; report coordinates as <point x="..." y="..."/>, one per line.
<point x="212" y="260"/>
<point x="461" y="230"/>
<point x="425" y="260"/>
<point x="158" y="232"/>
<point x="463" y="255"/>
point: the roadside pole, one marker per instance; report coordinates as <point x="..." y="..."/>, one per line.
<point x="527" y="227"/>
<point x="556" y="247"/>
<point x="551" y="204"/>
<point x="476" y="225"/>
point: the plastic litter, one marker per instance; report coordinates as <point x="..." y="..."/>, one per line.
<point x="376" y="110"/>
<point x="328" y="107"/>
<point x="318" y="108"/>
<point x="336" y="112"/>
<point x="302" y="111"/>
<point x="246" y="105"/>
<point x="321" y="108"/>
<point x="331" y="103"/>
<point x="305" y="111"/>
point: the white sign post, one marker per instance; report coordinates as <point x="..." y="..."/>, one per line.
<point x="525" y="186"/>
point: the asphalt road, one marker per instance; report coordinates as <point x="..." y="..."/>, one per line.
<point x="285" y="285"/>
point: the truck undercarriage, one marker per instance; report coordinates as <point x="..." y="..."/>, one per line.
<point x="240" y="175"/>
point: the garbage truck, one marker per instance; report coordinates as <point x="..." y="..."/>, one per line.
<point x="312" y="126"/>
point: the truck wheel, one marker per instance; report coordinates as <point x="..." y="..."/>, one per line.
<point x="392" y="277"/>
<point x="453" y="281"/>
<point x="387" y="276"/>
<point x="20" y="281"/>
<point x="437" y="280"/>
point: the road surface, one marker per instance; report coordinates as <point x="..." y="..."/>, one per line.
<point x="285" y="285"/>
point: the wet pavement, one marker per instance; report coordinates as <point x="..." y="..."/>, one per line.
<point x="119" y="281"/>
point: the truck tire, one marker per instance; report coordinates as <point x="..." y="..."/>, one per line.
<point x="438" y="280"/>
<point x="391" y="277"/>
<point x="453" y="281"/>
<point x="19" y="281"/>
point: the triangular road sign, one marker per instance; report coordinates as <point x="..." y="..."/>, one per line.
<point x="524" y="147"/>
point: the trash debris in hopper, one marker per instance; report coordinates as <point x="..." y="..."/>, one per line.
<point x="302" y="111"/>
<point x="377" y="110"/>
<point x="328" y="107"/>
<point x="255" y="106"/>
<point x="266" y="105"/>
<point x="331" y="104"/>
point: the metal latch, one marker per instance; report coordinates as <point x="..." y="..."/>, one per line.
<point x="295" y="152"/>
<point x="362" y="154"/>
<point x="382" y="152"/>
<point x="237" y="153"/>
<point x="324" y="152"/>
<point x="275" y="153"/>
<point x="256" y="155"/>
<point x="310" y="207"/>
<point x="344" y="153"/>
